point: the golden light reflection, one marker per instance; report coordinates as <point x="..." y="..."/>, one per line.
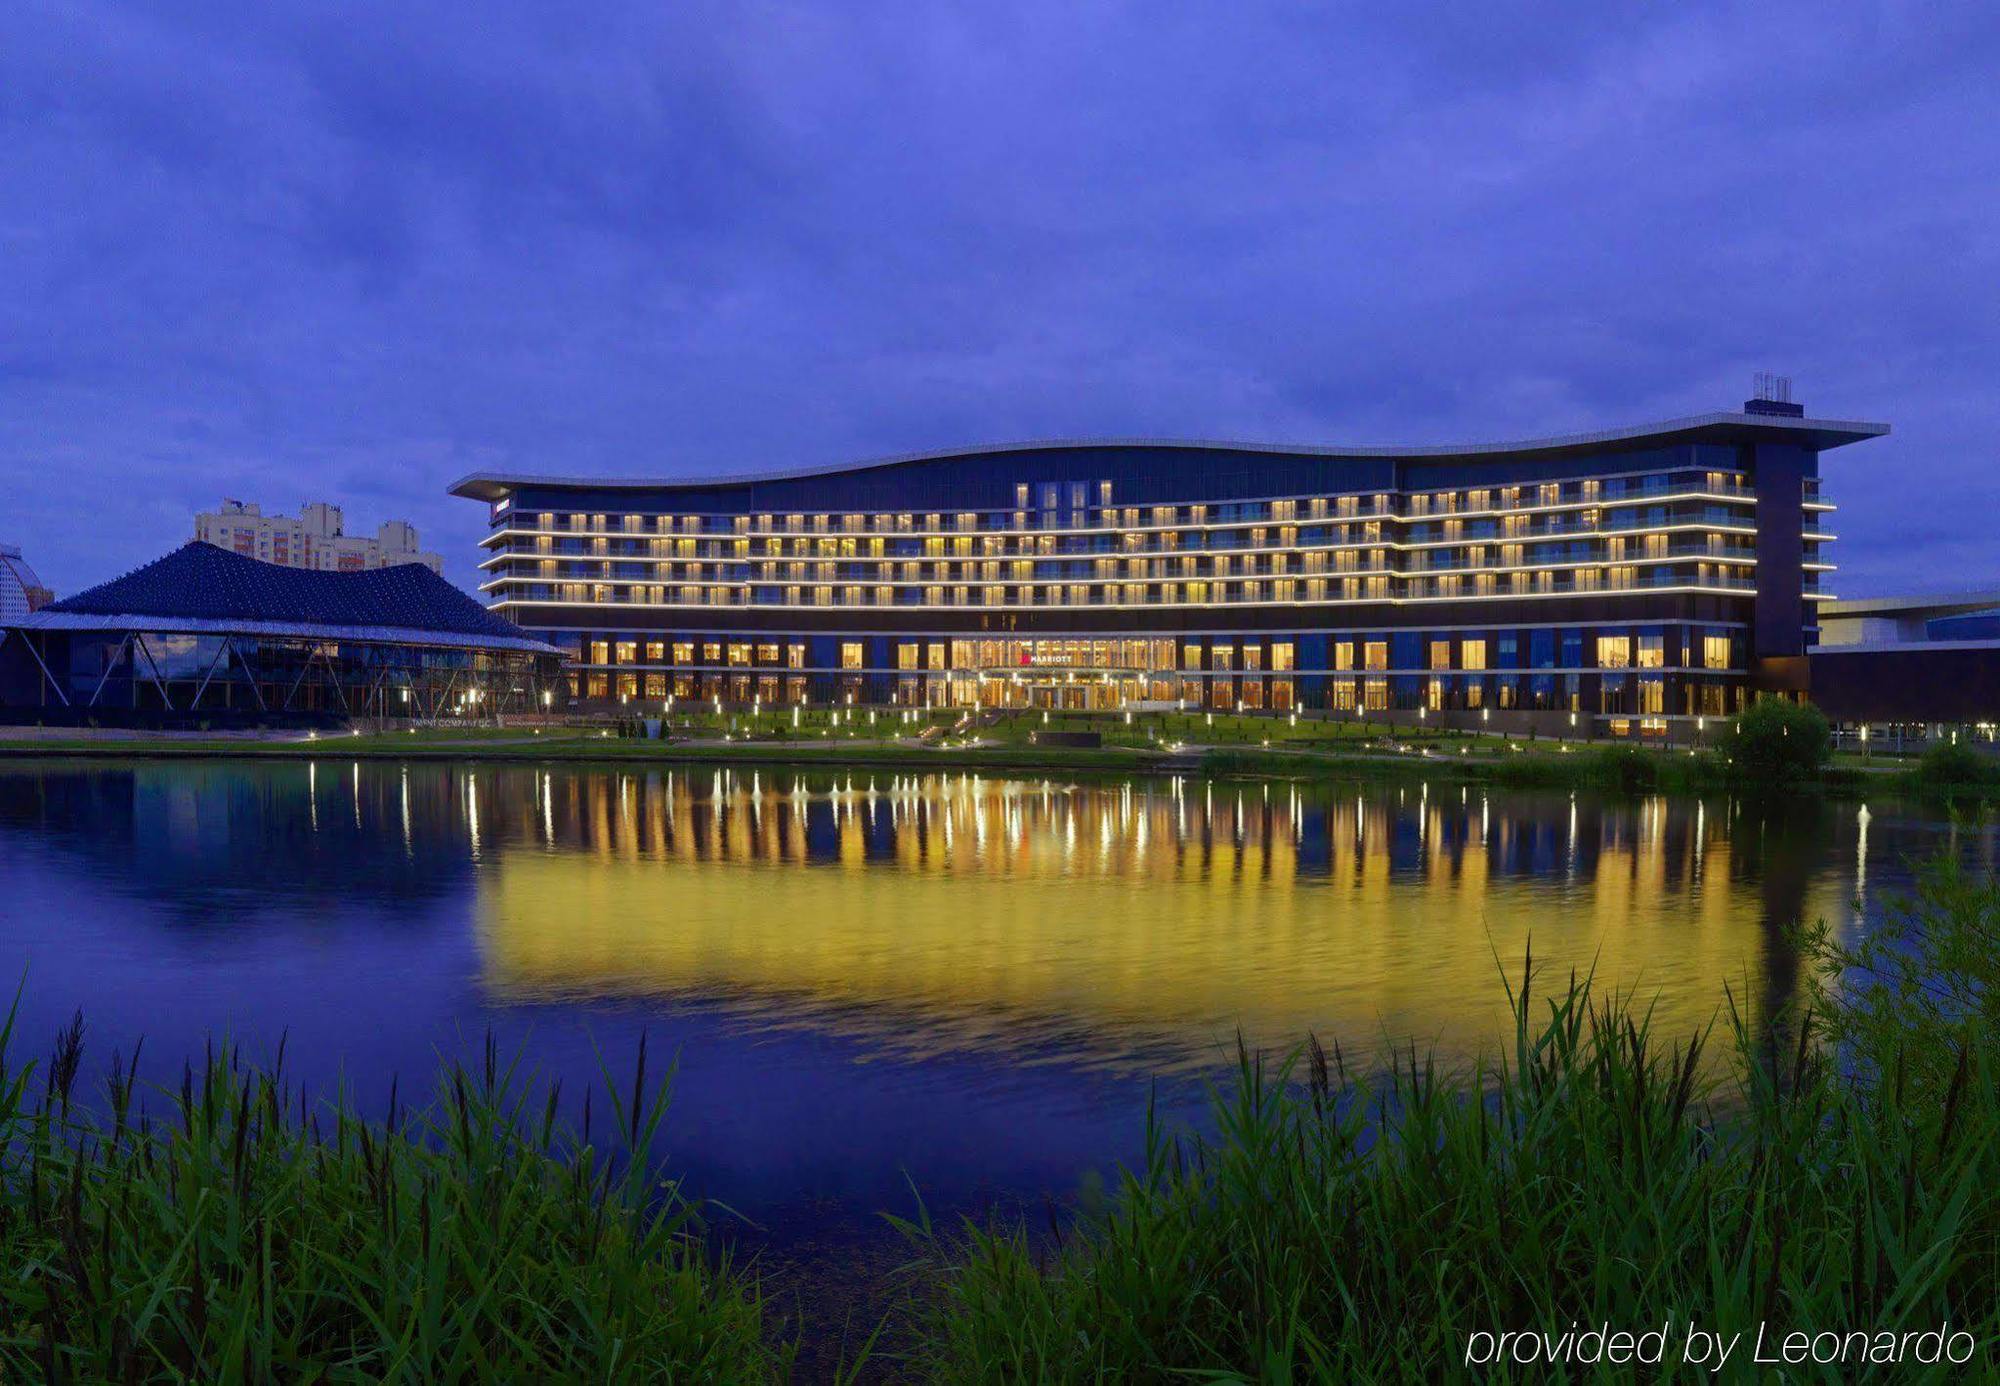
<point x="1127" y="925"/>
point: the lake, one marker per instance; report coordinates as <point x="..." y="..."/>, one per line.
<point x="966" y="981"/>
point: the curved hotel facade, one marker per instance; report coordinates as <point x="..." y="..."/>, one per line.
<point x="1636" y="574"/>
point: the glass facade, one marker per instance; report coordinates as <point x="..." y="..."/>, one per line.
<point x="1617" y="579"/>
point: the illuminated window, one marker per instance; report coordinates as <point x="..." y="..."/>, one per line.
<point x="906" y="656"/>
<point x="1375" y="655"/>
<point x="1652" y="655"/>
<point x="1472" y="654"/>
<point x="1282" y="658"/>
<point x="1440" y="654"/>
<point x="1715" y="651"/>
<point x="850" y="655"/>
<point x="1614" y="652"/>
<point x="1343" y="654"/>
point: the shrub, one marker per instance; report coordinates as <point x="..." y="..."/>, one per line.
<point x="1626" y="769"/>
<point x="1777" y="741"/>
<point x="1952" y="765"/>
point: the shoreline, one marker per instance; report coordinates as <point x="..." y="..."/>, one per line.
<point x="1584" y="765"/>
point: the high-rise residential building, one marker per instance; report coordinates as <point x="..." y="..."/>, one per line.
<point x="1631" y="575"/>
<point x="20" y="590"/>
<point x="315" y="538"/>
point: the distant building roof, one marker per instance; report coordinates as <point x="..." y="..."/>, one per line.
<point x="201" y="589"/>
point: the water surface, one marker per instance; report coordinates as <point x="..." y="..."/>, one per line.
<point x="972" y="980"/>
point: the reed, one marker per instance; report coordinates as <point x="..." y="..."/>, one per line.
<point x="234" y="1231"/>
<point x="1838" y="1173"/>
<point x="1340" y="1228"/>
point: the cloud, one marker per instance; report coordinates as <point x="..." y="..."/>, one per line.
<point x="356" y="250"/>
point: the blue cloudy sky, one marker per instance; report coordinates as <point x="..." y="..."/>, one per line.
<point x="353" y="250"/>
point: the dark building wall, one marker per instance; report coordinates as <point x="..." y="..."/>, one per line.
<point x="1778" y="472"/>
<point x="1914" y="683"/>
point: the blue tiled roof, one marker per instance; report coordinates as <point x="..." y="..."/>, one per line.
<point x="200" y="582"/>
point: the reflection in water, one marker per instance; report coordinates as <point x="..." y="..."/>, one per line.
<point x="1128" y="924"/>
<point x="966" y="978"/>
<point x="1137" y="923"/>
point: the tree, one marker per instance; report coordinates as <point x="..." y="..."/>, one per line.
<point x="1777" y="741"/>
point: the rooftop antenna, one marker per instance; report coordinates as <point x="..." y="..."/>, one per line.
<point x="1771" y="393"/>
<point x="1769" y="385"/>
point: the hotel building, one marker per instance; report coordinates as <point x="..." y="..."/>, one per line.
<point x="1635" y="574"/>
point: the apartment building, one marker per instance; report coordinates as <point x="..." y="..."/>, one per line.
<point x="315" y="538"/>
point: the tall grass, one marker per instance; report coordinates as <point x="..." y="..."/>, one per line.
<point x="245" y="1235"/>
<point x="1332" y="1224"/>
<point x="1340" y="1228"/>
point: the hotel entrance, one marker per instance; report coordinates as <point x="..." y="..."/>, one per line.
<point x="1051" y="690"/>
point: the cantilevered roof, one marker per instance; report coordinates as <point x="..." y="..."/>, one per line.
<point x="1915" y="604"/>
<point x="202" y="589"/>
<point x="1818" y="434"/>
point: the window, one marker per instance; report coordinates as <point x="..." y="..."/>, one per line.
<point x="1282" y="658"/>
<point x="850" y="655"/>
<point x="1375" y="656"/>
<point x="1472" y="654"/>
<point x="906" y="656"/>
<point x="1614" y="652"/>
<point x="1343" y="654"/>
<point x="683" y="652"/>
<point x="1440" y="654"/>
<point x="1715" y="652"/>
<point x="1191" y="657"/>
<point x="1652" y="655"/>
